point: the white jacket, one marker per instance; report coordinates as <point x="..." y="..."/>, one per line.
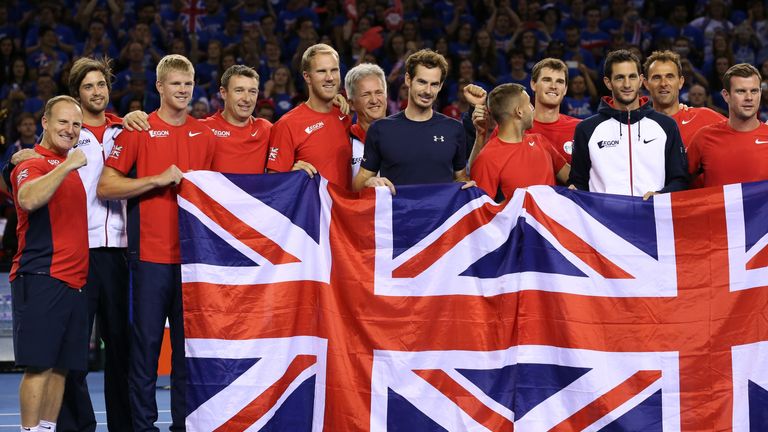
<point x="106" y="219"/>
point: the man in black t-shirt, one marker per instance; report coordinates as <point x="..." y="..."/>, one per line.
<point x="417" y="145"/>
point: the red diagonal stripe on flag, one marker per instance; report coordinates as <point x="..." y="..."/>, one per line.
<point x="577" y="246"/>
<point x="465" y="400"/>
<point x="429" y="255"/>
<point x="265" y="401"/>
<point x="608" y="402"/>
<point x="760" y="260"/>
<point x="239" y="229"/>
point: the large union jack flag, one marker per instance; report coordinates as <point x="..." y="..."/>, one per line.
<point x="309" y="308"/>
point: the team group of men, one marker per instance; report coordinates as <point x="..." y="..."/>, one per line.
<point x="107" y="183"/>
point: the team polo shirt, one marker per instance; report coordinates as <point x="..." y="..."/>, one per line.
<point x="415" y="152"/>
<point x="322" y="139"/>
<point x="153" y="217"/>
<point x="692" y="120"/>
<point x="508" y="166"/>
<point x="727" y="156"/>
<point x="239" y="149"/>
<point x="559" y="133"/>
<point x="53" y="240"/>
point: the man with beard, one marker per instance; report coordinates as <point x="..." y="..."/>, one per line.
<point x="515" y="159"/>
<point x="417" y="145"/>
<point x="143" y="167"/>
<point x="314" y="136"/>
<point x="733" y="150"/>
<point x="366" y="88"/>
<point x="107" y="284"/>
<point x="627" y="148"/>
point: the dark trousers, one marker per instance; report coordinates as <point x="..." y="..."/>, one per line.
<point x="107" y="291"/>
<point x="155" y="296"/>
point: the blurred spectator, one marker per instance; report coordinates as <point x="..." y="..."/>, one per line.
<point x="575" y="15"/>
<point x="7" y="53"/>
<point x="715" y="19"/>
<point x="45" y="88"/>
<point x="677" y="26"/>
<point x="582" y="98"/>
<point x="459" y="105"/>
<point x="271" y="59"/>
<point x="97" y="43"/>
<point x="698" y="97"/>
<point x="745" y="45"/>
<point x="45" y="18"/>
<point x="502" y="25"/>
<point x="46" y="58"/>
<point x="139" y="89"/>
<point x="232" y="33"/>
<point x="575" y="53"/>
<point x="26" y="133"/>
<point x="486" y="59"/>
<point x="518" y="74"/>
<point x="461" y="46"/>
<point x="252" y="11"/>
<point x="295" y="9"/>
<point x="8" y="29"/>
<point x="200" y="109"/>
<point x="265" y="108"/>
<point x="137" y="67"/>
<point x="281" y="89"/>
<point x="527" y="42"/>
<point x="207" y="72"/>
<point x="593" y="38"/>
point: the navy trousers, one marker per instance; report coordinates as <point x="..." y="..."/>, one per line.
<point x="107" y="291"/>
<point x="155" y="295"/>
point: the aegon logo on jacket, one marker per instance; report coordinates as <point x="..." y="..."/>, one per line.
<point x="611" y="143"/>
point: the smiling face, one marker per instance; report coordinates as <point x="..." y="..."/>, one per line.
<point x="550" y="88"/>
<point x="664" y="83"/>
<point x="94" y="93"/>
<point x="423" y="87"/>
<point x="370" y="99"/>
<point x="624" y="84"/>
<point x="176" y="89"/>
<point x="323" y="77"/>
<point x="62" y="127"/>
<point x="240" y="96"/>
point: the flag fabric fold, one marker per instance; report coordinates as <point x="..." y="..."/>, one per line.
<point x="307" y="307"/>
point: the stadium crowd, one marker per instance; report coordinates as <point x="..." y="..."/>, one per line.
<point x="436" y="91"/>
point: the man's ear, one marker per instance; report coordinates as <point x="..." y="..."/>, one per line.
<point x="607" y="82"/>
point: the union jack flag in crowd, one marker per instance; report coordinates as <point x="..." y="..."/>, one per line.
<point x="311" y="308"/>
<point x="191" y="15"/>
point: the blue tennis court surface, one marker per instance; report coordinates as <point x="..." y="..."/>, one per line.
<point x="9" y="401"/>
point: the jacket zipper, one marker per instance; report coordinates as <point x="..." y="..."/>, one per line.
<point x="106" y="219"/>
<point x="629" y="139"/>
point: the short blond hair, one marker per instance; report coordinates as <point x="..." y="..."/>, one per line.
<point x="173" y="62"/>
<point x="314" y="50"/>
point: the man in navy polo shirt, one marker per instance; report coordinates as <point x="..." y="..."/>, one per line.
<point x="417" y="145"/>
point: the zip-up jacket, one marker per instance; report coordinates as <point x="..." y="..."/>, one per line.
<point x="106" y="219"/>
<point x="628" y="152"/>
